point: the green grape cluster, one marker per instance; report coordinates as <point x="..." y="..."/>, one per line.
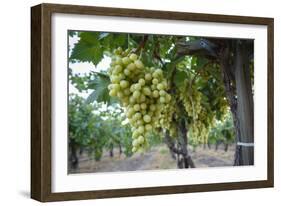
<point x="141" y="90"/>
<point x="202" y="115"/>
<point x="198" y="132"/>
<point x="200" y="120"/>
<point x="191" y="99"/>
<point x="223" y="108"/>
<point x="201" y="127"/>
<point x="169" y="116"/>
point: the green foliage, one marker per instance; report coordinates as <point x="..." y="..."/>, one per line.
<point x="93" y="45"/>
<point x="78" y="81"/>
<point x="95" y="130"/>
<point x="119" y="134"/>
<point x="179" y="78"/>
<point x="154" y="139"/>
<point x="81" y="121"/>
<point x="99" y="84"/>
<point x="72" y="33"/>
<point x="88" y="49"/>
<point x="223" y="131"/>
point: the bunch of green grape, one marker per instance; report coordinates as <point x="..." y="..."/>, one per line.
<point x="200" y="121"/>
<point x="203" y="125"/>
<point x="202" y="115"/>
<point x="169" y="117"/>
<point x="191" y="99"/>
<point x="223" y="108"/>
<point x="141" y="90"/>
<point x="199" y="133"/>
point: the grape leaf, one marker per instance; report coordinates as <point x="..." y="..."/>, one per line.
<point x="120" y="40"/>
<point x="88" y="49"/>
<point x="100" y="94"/>
<point x="179" y="78"/>
<point x="71" y="33"/>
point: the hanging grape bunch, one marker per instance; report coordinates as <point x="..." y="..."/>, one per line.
<point x="201" y="116"/>
<point x="141" y="90"/>
<point x="169" y="117"/>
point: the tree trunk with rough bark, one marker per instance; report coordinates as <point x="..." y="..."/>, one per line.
<point x="245" y="105"/>
<point x="225" y="147"/>
<point x="179" y="149"/>
<point x="237" y="82"/>
<point x="188" y="163"/>
<point x="74" y="161"/>
<point x="111" y="153"/>
<point x="217" y="146"/>
<point x="120" y="149"/>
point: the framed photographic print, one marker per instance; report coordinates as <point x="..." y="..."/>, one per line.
<point x="130" y="102"/>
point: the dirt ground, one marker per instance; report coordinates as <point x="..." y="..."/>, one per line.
<point x="156" y="158"/>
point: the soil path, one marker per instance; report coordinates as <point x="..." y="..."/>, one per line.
<point x="156" y="158"/>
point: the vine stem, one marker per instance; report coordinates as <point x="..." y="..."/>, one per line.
<point x="141" y="50"/>
<point x="128" y="42"/>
